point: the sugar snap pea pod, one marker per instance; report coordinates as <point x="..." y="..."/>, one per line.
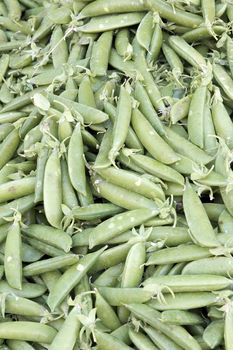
<point x="22" y="306"/>
<point x="8" y="147"/>
<point x="96" y="211"/>
<point x="89" y="114"/>
<point x="176" y="333"/>
<point x="58" y="47"/>
<point x="213" y="210"/>
<point x="122" y="197"/>
<point x="214" y="334"/>
<point x="85" y="93"/>
<point x="222" y="122"/>
<point x="189" y="283"/>
<point x="13" y="256"/>
<point x="225" y="222"/>
<point x="223" y="79"/>
<point x="17" y="189"/>
<point x="5" y="129"/>
<point x="71" y="278"/>
<point x="118" y="224"/>
<point x="208" y="11"/>
<point x="186" y="148"/>
<point x="26" y="330"/>
<point x="106" y="341"/>
<point x="22" y="204"/>
<point x="187" y="52"/>
<point x="181" y="317"/>
<point x="66" y="337"/>
<point x="132" y="182"/>
<point x="18" y="344"/>
<point x="228" y="325"/>
<point x="11" y="117"/>
<point x="196" y="116"/>
<point x="181" y="253"/>
<point x="122" y="44"/>
<point x="3" y="231"/>
<point x="210" y="141"/>
<point x="122" y="333"/>
<point x="120" y="296"/>
<point x="178" y="16"/>
<point x="29" y="290"/>
<point x="116" y="61"/>
<point x="102" y="159"/>
<point x="44" y="248"/>
<point x="105" y="7"/>
<point x="52" y="192"/>
<point x="185" y="301"/>
<point x="106" y="313"/>
<point x="141" y="341"/>
<point x="30" y="254"/>
<point x="121" y="123"/>
<point x="156" y="168"/>
<point x="150" y="85"/>
<point x="4" y="62"/>
<point x="88" y="198"/>
<point x="202" y="32"/>
<point x="49" y="235"/>
<point x="69" y="197"/>
<point x="14" y="9"/>
<point x="109" y="277"/>
<point x="173" y="59"/>
<point x="155" y="44"/>
<point x="162" y="270"/>
<point x="144" y="31"/>
<point x="110" y="22"/>
<point x="203" y="233"/>
<point x="76" y="161"/>
<point x="13" y="26"/>
<point x="100" y="54"/>
<point x="173" y="236"/>
<point x="51" y="264"/>
<point x="160" y="339"/>
<point x="151" y="140"/>
<point x="219" y="265"/>
<point x="229" y="48"/>
<point x="147" y="108"/>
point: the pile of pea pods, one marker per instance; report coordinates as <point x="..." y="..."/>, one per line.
<point x="116" y="183"/>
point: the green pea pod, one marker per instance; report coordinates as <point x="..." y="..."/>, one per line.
<point x="106" y="341"/>
<point x="69" y="197"/>
<point x="221" y="266"/>
<point x="155" y="44"/>
<point x="180" y="109"/>
<point x="106" y="313"/>
<point x="227" y="326"/>
<point x="58" y="47"/>
<point x="141" y="341"/>
<point x="181" y="317"/>
<point x="214" y="334"/>
<point x="8" y="147"/>
<point x="160" y="339"/>
<point x="100" y="54"/>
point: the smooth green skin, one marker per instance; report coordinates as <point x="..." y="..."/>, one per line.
<point x="118" y="62"/>
<point x="208" y="11"/>
<point x="121" y="123"/>
<point x="160" y="339"/>
<point x="155" y="45"/>
<point x="214" y="334"/>
<point x="4" y="62"/>
<point x="8" y="147"/>
<point x="181" y="317"/>
<point x="25" y="330"/>
<point x="18" y="344"/>
<point x="122" y="197"/>
<point x="84" y="287"/>
<point x="223" y="79"/>
<point x="109" y="277"/>
<point x="113" y="21"/>
<point x="66" y="337"/>
<point x="185" y="301"/>
<point x="14" y="9"/>
<point x="52" y="190"/>
<point x="49" y="235"/>
<point x="122" y="333"/>
<point x="222" y="266"/>
<point x="202" y="233"/>
<point x="58" y="47"/>
<point x="118" y="224"/>
<point x="225" y="223"/>
<point x="145" y="30"/>
<point x="187" y="52"/>
<point x="105" y="7"/>
<point x="16" y="189"/>
<point x="120" y="296"/>
<point x="5" y="129"/>
<point x="196" y="116"/>
<point x="180" y="17"/>
<point x="33" y="136"/>
<point x="202" y="33"/>
<point x="13" y="256"/>
<point x="210" y="142"/>
<point x="181" y="253"/>
<point x="106" y="313"/>
<point x="227" y="199"/>
<point x="100" y="54"/>
<point x="44" y="247"/>
<point x="151" y="140"/>
<point x="188" y="283"/>
<point x="102" y="160"/>
<point x="76" y="163"/>
<point x="96" y="211"/>
<point x="213" y="180"/>
<point x="50" y="278"/>
<point x="85" y="92"/>
<point x="223" y="125"/>
<point x="22" y="204"/>
<point x="161" y="270"/>
<point x="228" y="338"/>
<point x="141" y="341"/>
<point x="69" y="197"/>
<point x="229" y="48"/>
<point x="176" y="333"/>
<point x="71" y="278"/>
<point x="213" y="210"/>
<point x="122" y="43"/>
<point x="156" y="168"/>
<point x="173" y="59"/>
<point x="20" y="101"/>
<point x="13" y="26"/>
<point x="132" y="182"/>
<point x="25" y="307"/>
<point x="177" y="269"/>
<point x="51" y="264"/>
<point x="147" y="109"/>
<point x="180" y="109"/>
<point x="131" y="140"/>
<point x="106" y="341"/>
<point x="29" y="290"/>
